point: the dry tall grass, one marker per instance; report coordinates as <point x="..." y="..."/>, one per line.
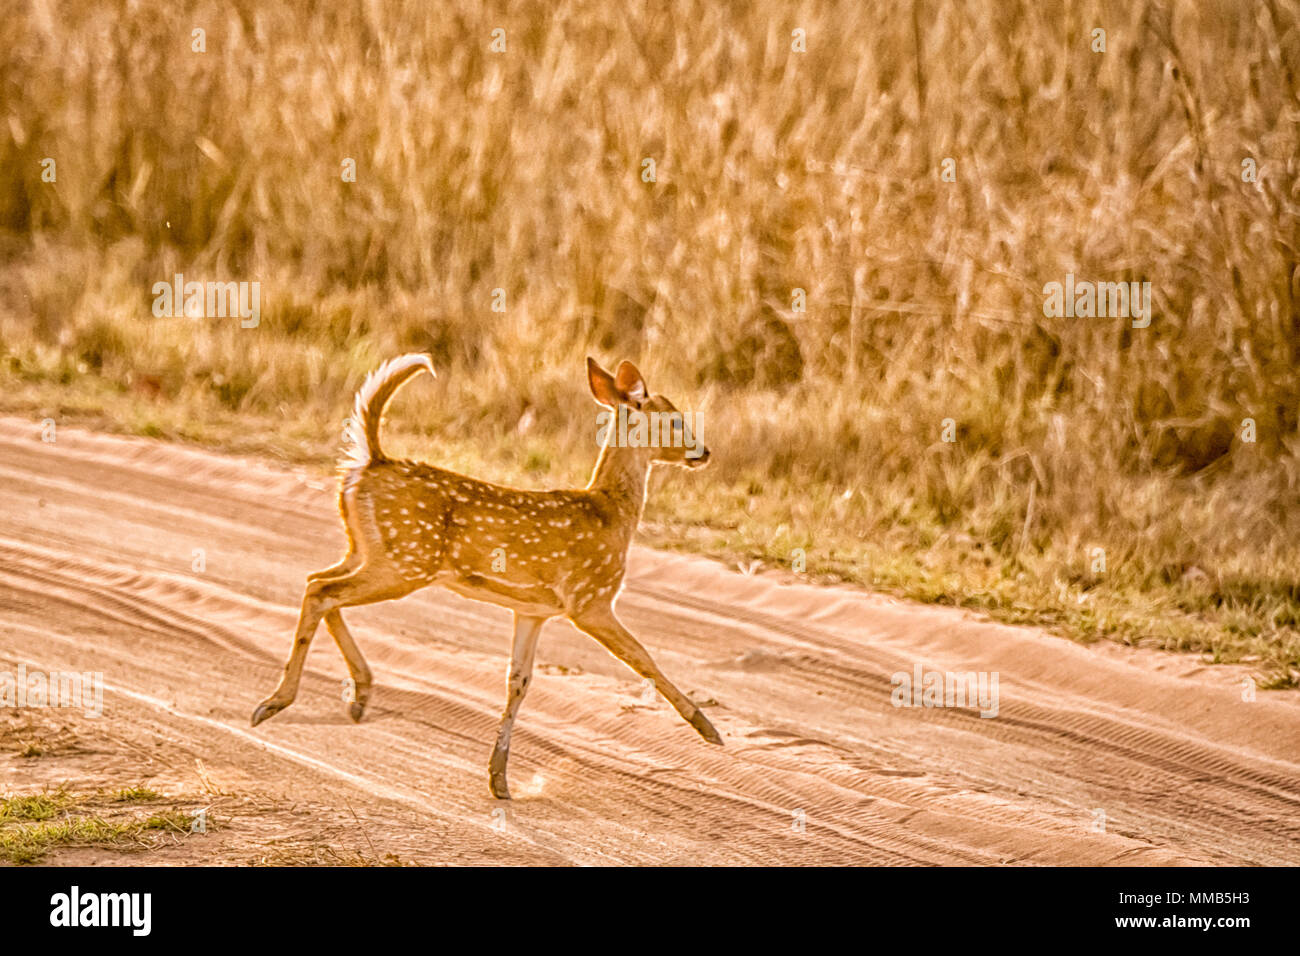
<point x="776" y="170"/>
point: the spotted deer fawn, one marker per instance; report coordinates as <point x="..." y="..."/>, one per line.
<point x="541" y="554"/>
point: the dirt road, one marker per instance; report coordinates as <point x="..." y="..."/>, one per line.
<point x="177" y="574"/>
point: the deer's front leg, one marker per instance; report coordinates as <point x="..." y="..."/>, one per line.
<point x="602" y="624"/>
<point x="527" y="630"/>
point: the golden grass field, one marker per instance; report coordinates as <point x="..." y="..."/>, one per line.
<point x="522" y="170"/>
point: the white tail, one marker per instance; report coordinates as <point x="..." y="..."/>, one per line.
<point x="543" y="554"/>
<point x="374" y="394"/>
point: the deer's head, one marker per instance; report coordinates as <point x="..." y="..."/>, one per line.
<point x="638" y="419"/>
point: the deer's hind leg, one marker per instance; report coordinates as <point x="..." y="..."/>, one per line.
<point x="322" y="598"/>
<point x="358" y="692"/>
<point x="351" y="561"/>
<point x="355" y="531"/>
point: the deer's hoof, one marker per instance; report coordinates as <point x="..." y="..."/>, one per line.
<point x="706" y="729"/>
<point x="357" y="704"/>
<point x="497" y="784"/>
<point x="267" y="708"/>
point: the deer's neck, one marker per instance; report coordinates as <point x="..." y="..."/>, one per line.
<point x="621" y="474"/>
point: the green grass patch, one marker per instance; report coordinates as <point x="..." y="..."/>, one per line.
<point x="34" y="825"/>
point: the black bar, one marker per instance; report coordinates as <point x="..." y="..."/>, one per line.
<point x="945" y="906"/>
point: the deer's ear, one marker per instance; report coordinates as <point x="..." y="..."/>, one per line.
<point x="603" y="388"/>
<point x="631" y="385"/>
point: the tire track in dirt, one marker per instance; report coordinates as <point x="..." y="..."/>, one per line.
<point x="452" y="715"/>
<point x="1260" y="805"/>
<point x="96" y="573"/>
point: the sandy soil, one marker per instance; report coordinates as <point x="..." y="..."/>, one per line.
<point x="98" y="539"/>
